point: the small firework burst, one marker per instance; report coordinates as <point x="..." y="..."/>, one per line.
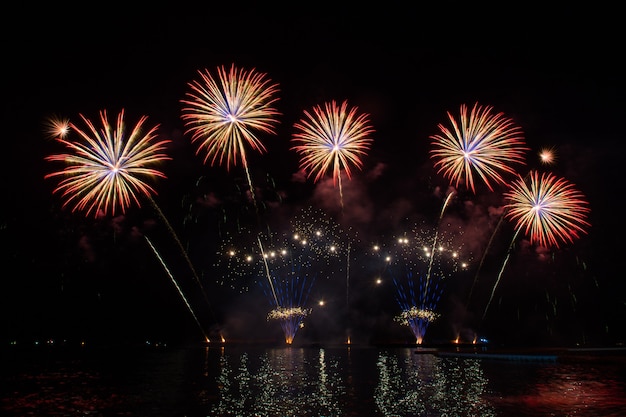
<point x="415" y="313"/>
<point x="547" y="156"/>
<point x="57" y="127"/>
<point x="288" y="313"/>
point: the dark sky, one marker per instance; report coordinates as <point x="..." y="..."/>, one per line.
<point x="558" y="74"/>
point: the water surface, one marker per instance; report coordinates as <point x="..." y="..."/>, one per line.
<point x="146" y="381"/>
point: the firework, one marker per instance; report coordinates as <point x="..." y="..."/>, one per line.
<point x="288" y="313"/>
<point x="325" y="238"/>
<point x="286" y="265"/>
<point x="223" y="114"/>
<point x="548" y="209"/>
<point x="413" y="313"/>
<point x="57" y="127"/>
<point x="240" y="256"/>
<point x="291" y="318"/>
<point x="482" y="145"/>
<point x="109" y="169"/>
<point x="291" y="274"/>
<point x="409" y="260"/>
<point x="417" y="310"/>
<point x="547" y="156"/>
<point x="332" y="137"/>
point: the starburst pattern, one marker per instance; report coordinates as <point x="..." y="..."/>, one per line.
<point x="57" y="127"/>
<point x="549" y="209"/>
<point x="223" y="114"/>
<point x="547" y="156"/>
<point x="108" y="169"/>
<point x="332" y="137"/>
<point x="484" y="145"/>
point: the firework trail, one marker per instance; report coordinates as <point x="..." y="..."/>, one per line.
<point x="223" y="113"/>
<point x="483" y="257"/>
<point x="108" y="170"/>
<point x="183" y="251"/>
<point x="430" y="264"/>
<point x="333" y="137"/>
<point x="267" y="272"/>
<point x="408" y="260"/>
<point x="182" y="295"/>
<point x="548" y="209"/>
<point x="348" y="276"/>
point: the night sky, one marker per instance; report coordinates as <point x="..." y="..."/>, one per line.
<point x="559" y="76"/>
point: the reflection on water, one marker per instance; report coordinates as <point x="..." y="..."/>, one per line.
<point x="581" y="388"/>
<point x="424" y="385"/>
<point x="310" y="381"/>
<point x="287" y="382"/>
